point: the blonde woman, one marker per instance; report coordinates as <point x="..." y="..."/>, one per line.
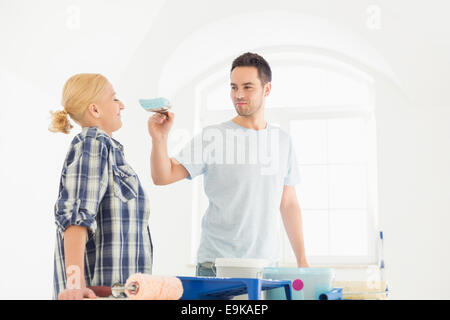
<point x="102" y="210"/>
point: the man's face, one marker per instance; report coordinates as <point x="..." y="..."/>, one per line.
<point x="247" y="91"/>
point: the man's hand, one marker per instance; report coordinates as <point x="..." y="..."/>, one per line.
<point x="76" y="294"/>
<point x="159" y="125"/>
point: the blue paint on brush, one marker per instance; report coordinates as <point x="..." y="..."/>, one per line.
<point x="155" y="105"/>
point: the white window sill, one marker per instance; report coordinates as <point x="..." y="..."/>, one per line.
<point x="340" y="266"/>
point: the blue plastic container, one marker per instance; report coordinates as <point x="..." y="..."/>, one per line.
<point x="313" y="282"/>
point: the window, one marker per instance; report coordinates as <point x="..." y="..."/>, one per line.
<point x="327" y="106"/>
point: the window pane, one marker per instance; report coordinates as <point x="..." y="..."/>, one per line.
<point x="348" y="186"/>
<point x="316" y="235"/>
<point x="316" y="232"/>
<point x="348" y="232"/>
<point x="347" y="140"/>
<point x="312" y="191"/>
<point x="309" y="139"/>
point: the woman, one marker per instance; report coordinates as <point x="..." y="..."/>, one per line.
<point x="102" y="211"/>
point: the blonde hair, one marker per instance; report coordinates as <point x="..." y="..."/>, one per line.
<point x="78" y="93"/>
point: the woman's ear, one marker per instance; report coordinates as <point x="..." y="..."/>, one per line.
<point x="94" y="110"/>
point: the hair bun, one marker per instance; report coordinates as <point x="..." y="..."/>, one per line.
<point x="60" y="122"/>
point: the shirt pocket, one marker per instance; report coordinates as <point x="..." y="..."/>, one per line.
<point x="126" y="185"/>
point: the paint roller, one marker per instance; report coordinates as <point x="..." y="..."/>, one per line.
<point x="142" y="286"/>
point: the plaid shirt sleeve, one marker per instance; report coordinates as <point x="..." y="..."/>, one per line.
<point x="83" y="184"/>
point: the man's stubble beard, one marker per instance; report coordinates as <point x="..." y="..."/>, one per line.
<point x="250" y="111"/>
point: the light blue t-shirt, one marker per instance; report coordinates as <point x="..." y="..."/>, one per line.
<point x="244" y="173"/>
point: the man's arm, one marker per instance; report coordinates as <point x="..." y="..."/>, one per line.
<point x="164" y="170"/>
<point x="292" y="220"/>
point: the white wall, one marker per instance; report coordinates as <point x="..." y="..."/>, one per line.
<point x="42" y="45"/>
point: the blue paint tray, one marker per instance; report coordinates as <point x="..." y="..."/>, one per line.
<point x="211" y="288"/>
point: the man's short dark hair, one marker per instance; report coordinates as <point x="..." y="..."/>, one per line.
<point x="254" y="60"/>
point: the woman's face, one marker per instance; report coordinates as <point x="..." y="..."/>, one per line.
<point x="110" y="108"/>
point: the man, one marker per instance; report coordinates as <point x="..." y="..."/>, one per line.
<point x="246" y="189"/>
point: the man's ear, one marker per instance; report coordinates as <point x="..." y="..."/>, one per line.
<point x="267" y="88"/>
<point x="94" y="110"/>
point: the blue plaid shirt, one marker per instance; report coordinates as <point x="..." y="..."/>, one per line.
<point x="100" y="191"/>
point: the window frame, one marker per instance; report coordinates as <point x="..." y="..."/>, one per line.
<point x="282" y="116"/>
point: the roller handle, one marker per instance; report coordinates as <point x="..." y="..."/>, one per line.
<point x="101" y="291"/>
<point x="116" y="290"/>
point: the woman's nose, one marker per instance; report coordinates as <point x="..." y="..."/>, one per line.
<point x="122" y="106"/>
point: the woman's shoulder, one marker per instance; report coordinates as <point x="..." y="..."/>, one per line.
<point x="90" y="135"/>
<point x="90" y="141"/>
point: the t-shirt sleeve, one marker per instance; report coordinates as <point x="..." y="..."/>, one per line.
<point x="191" y="157"/>
<point x="83" y="185"/>
<point x="292" y="176"/>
